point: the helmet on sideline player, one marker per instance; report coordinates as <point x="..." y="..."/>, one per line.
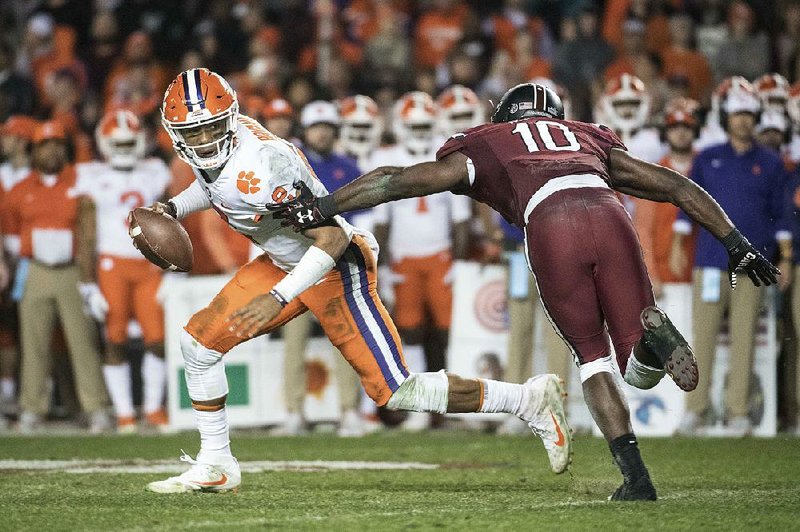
<point x="200" y="112"/>
<point x="625" y="103"/>
<point x="528" y="100"/>
<point x="414" y="119"/>
<point x="559" y="90"/>
<point x="773" y="90"/>
<point x="361" y="126"/>
<point x="120" y="139"/>
<point x="737" y="95"/>
<point x="459" y="109"/>
<point x="682" y="111"/>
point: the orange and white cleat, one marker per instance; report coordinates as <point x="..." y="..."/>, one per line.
<point x="547" y="419"/>
<point x="223" y="475"/>
<point x="158" y="420"/>
<point x="126" y="425"/>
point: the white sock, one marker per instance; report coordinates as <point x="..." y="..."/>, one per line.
<point x="215" y="438"/>
<point x="118" y="382"/>
<point x="502" y="397"/>
<point x="154" y="379"/>
<point x="8" y="388"/>
<point x="415" y="358"/>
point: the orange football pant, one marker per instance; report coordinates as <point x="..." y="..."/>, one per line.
<point x="130" y="287"/>
<point x="345" y="302"/>
<point x="424" y="286"/>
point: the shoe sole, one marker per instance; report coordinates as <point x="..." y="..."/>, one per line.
<point x="561" y="416"/>
<point x="187" y="489"/>
<point x="681" y="364"/>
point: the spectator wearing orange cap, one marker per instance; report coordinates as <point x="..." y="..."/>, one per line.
<point x="58" y="247"/>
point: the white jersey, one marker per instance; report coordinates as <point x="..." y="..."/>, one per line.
<point x="419" y="227"/>
<point x="115" y="194"/>
<point x="262" y="171"/>
<point x="10" y="176"/>
<point x="646" y="145"/>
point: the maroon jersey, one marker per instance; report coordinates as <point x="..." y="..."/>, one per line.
<point x="515" y="159"/>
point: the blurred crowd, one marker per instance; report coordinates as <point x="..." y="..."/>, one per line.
<point x="710" y="88"/>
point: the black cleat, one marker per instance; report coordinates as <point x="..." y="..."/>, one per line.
<point x="639" y="490"/>
<point x="663" y="340"/>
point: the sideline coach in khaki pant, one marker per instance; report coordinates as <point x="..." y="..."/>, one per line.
<point x="748" y="181"/>
<point x="56" y="234"/>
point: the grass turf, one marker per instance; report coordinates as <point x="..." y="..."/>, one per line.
<point x="486" y="482"/>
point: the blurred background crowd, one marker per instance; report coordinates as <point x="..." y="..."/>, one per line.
<point x="363" y="83"/>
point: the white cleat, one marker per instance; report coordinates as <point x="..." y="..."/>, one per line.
<point x="202" y="476"/>
<point x="545" y="416"/>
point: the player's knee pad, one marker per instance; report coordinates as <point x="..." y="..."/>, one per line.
<point x="641" y="375"/>
<point x="204" y="369"/>
<point x="421" y="392"/>
<point x="601" y="365"/>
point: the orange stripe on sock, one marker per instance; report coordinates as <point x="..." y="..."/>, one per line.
<point x="207" y="408"/>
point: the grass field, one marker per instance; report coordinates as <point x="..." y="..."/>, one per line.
<point x="482" y="483"/>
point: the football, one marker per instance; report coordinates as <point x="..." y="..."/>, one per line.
<point x="161" y="239"/>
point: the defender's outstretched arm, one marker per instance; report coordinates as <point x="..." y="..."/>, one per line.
<point x="653" y="182"/>
<point x="382" y="185"/>
<point x="641" y="179"/>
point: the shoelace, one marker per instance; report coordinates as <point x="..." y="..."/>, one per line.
<point x="188" y="459"/>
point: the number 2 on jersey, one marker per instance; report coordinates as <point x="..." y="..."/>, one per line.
<point x="544" y="129"/>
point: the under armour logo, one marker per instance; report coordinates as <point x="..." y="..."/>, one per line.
<point x="305" y="217"/>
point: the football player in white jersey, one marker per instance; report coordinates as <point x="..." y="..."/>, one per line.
<point x="459" y="109"/>
<point x="419" y="237"/>
<point x="128" y="284"/>
<point x="244" y="172"/>
<point x="625" y="107"/>
<point x="361" y="127"/>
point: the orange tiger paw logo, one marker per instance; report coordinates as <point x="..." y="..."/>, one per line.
<point x="247" y="183"/>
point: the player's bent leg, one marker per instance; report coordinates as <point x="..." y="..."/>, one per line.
<point x="215" y="468"/>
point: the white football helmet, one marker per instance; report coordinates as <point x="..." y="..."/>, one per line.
<point x="120" y="139"/>
<point x="414" y="119"/>
<point x="559" y="90"/>
<point x="625" y="104"/>
<point x="459" y="109"/>
<point x="773" y="90"/>
<point x="361" y="125"/>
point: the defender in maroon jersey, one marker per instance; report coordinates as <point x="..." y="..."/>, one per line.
<point x="556" y="179"/>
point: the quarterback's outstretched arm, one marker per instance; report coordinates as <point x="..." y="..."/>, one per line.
<point x="633" y="176"/>
<point x="382" y="185"/>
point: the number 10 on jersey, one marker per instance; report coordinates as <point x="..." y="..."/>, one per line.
<point x="564" y="139"/>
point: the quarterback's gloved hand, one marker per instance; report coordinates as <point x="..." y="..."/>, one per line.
<point x="305" y="211"/>
<point x="94" y="303"/>
<point x="743" y="257"/>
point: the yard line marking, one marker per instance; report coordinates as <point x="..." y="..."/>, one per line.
<point x="172" y="466"/>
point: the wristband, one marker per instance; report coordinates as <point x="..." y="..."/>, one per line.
<point x="733" y="240"/>
<point x="326" y="206"/>
<point x="278" y="297"/>
<point x="314" y="264"/>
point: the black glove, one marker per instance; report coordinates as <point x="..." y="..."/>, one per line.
<point x="743" y="257"/>
<point x="305" y="211"/>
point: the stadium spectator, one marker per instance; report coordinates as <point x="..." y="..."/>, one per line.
<point x="138" y="79"/>
<point x="787" y="42"/>
<point x="748" y="181"/>
<point x="279" y="119"/>
<point x="320" y="123"/>
<point x="578" y="63"/>
<point x="437" y="32"/>
<point x="653" y="221"/>
<point x="58" y="279"/>
<point x="387" y="53"/>
<point x="16" y="91"/>
<point x="103" y="48"/>
<point x="744" y="41"/>
<point x="682" y="61"/>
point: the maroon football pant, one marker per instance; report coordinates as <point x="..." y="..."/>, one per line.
<point x="585" y="255"/>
